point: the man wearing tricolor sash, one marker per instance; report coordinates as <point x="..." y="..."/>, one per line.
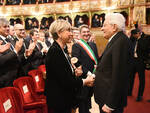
<point x="87" y="55"/>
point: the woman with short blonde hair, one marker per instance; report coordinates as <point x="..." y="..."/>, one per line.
<point x="59" y="26"/>
<point x="61" y="82"/>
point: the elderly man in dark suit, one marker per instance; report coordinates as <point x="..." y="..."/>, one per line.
<point x="9" y="58"/>
<point x="4" y="47"/>
<point x="111" y="82"/>
<point x="83" y="50"/>
<point x="16" y="34"/>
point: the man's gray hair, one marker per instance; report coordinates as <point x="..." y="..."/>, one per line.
<point x="118" y="19"/>
<point x="3" y="21"/>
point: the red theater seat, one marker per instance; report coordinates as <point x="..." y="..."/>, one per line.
<point x="31" y="100"/>
<point x="38" y="81"/>
<point x="10" y="100"/>
<point x="42" y="69"/>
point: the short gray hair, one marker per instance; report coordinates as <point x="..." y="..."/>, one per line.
<point x="118" y="19"/>
<point x="4" y="21"/>
<point x="16" y="26"/>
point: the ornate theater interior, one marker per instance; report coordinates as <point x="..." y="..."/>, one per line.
<point x="41" y="13"/>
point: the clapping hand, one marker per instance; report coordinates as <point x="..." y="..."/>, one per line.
<point x="44" y="50"/>
<point x="32" y="45"/>
<point x="5" y="47"/>
<point x="18" y="45"/>
<point x="30" y="49"/>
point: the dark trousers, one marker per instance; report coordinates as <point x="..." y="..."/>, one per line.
<point x="85" y="100"/>
<point x="118" y="110"/>
<point x="84" y="106"/>
<point x="137" y="66"/>
<point x="58" y="110"/>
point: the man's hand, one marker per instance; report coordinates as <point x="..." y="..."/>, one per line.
<point x="32" y="45"/>
<point x="89" y="81"/>
<point x="78" y="71"/>
<point x="44" y="50"/>
<point x="105" y="109"/>
<point x="29" y="51"/>
<point x="5" y="47"/>
<point x="18" y="45"/>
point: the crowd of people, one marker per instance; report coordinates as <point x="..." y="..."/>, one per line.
<point x="74" y="71"/>
<point x="22" y="52"/>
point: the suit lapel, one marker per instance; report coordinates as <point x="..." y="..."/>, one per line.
<point x="4" y="42"/>
<point x="115" y="37"/>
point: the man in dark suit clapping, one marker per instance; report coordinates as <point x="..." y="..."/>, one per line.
<point x="9" y="58"/>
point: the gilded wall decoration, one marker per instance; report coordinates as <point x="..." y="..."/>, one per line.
<point x="124" y="2"/>
<point x="84" y="6"/>
<point x="139" y="1"/>
<point x="94" y="4"/>
<point x="103" y="3"/>
<point x="139" y="14"/>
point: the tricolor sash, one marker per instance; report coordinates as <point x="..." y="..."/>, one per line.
<point x="88" y="50"/>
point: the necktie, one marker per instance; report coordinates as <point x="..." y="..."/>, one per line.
<point x="11" y="46"/>
<point x="48" y="43"/>
<point x="39" y="46"/>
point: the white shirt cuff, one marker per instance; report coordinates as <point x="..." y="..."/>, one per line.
<point x="89" y="73"/>
<point x="25" y="56"/>
<point x="109" y="108"/>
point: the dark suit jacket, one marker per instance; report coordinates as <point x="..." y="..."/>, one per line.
<point x="83" y="58"/>
<point x="143" y="47"/>
<point x="8" y="67"/>
<point x="48" y="43"/>
<point x="60" y="82"/>
<point x="37" y="58"/>
<point x="87" y="65"/>
<point x="111" y="81"/>
<point x="23" y="68"/>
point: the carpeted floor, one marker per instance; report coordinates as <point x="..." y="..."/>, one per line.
<point x="143" y="106"/>
<point x="133" y="106"/>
